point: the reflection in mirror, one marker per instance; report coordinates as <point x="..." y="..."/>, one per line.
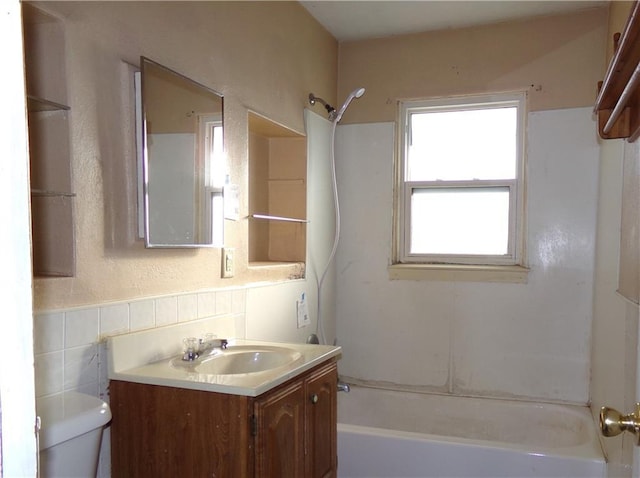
<point x="183" y="165"/>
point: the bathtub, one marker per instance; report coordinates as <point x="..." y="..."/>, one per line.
<point x="384" y="433"/>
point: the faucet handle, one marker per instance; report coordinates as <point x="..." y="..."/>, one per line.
<point x="191" y="348"/>
<point x="208" y="340"/>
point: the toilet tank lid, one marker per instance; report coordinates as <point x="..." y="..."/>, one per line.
<point x="67" y="415"/>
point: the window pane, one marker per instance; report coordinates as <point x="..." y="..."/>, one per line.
<point x="462" y="145"/>
<point x="467" y="221"/>
<point x="217" y="159"/>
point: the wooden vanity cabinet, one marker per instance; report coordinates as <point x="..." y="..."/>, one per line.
<point x="322" y="424"/>
<point x="279" y="433"/>
<point x="297" y="428"/>
<point x="290" y="431"/>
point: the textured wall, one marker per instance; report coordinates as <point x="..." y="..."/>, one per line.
<point x="557" y="59"/>
<point x="245" y="51"/>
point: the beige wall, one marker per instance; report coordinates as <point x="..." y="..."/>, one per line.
<point x="558" y="60"/>
<point x="244" y="50"/>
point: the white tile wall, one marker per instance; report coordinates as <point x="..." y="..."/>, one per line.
<point x="207" y="303"/>
<point x="49" y="372"/>
<point x="529" y="340"/>
<point x="81" y="327"/>
<point x="187" y="307"/>
<point x="224" y="302"/>
<point x="48" y="333"/>
<point x="142" y="314"/>
<point x="166" y="311"/>
<point x="69" y="345"/>
<point x="114" y="319"/>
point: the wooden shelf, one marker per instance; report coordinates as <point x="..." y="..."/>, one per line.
<point x="618" y="102"/>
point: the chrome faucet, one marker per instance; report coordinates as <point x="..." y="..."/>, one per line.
<point x="190" y="349"/>
<point x="210" y="343"/>
<point x="343" y="387"/>
<point x="194" y="347"/>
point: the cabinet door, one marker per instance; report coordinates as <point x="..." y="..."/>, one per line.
<point x="280" y="433"/>
<point x="321" y="433"/>
<point x="171" y="432"/>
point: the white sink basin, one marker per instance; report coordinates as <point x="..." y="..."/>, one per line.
<point x="246" y="367"/>
<point x="241" y="359"/>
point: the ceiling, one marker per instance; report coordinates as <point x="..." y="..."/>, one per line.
<point x="361" y="19"/>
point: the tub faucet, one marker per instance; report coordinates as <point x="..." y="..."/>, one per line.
<point x="343" y="387"/>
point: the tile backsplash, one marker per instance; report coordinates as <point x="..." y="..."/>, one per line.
<point x="69" y="345"/>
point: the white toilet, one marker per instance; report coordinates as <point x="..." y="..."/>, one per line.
<point x="70" y="434"/>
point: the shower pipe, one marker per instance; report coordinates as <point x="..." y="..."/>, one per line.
<point x="334" y="117"/>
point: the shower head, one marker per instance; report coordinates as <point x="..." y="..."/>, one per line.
<point x="354" y="94"/>
<point x="330" y="109"/>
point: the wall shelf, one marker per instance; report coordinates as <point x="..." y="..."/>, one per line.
<point x="277" y="193"/>
<point x="618" y="102"/>
<point x="278" y="218"/>
<point x="36" y="104"/>
<point x="41" y="193"/>
<point x="52" y="196"/>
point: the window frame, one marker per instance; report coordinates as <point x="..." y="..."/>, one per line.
<point x="516" y="244"/>
<point x="211" y="197"/>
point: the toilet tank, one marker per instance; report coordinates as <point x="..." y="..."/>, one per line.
<point x="70" y="434"/>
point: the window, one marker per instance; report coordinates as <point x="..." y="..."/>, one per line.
<point x="461" y="181"/>
<point x="211" y="202"/>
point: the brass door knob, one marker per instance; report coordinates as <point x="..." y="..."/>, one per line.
<point x="612" y="422"/>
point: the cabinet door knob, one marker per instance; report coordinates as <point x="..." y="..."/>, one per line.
<point x="314" y="398"/>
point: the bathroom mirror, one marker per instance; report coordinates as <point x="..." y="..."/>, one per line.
<point x="183" y="160"/>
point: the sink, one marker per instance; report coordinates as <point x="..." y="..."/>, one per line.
<point x="243" y="359"/>
<point x="246" y="367"/>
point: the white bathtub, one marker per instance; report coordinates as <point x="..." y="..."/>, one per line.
<point x="384" y="433"/>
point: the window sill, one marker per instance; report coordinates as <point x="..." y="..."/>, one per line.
<point x="459" y="273"/>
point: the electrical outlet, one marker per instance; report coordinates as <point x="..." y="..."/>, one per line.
<point x="228" y="262"/>
<point x="302" y="312"/>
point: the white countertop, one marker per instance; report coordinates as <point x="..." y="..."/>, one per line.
<point x="132" y="359"/>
